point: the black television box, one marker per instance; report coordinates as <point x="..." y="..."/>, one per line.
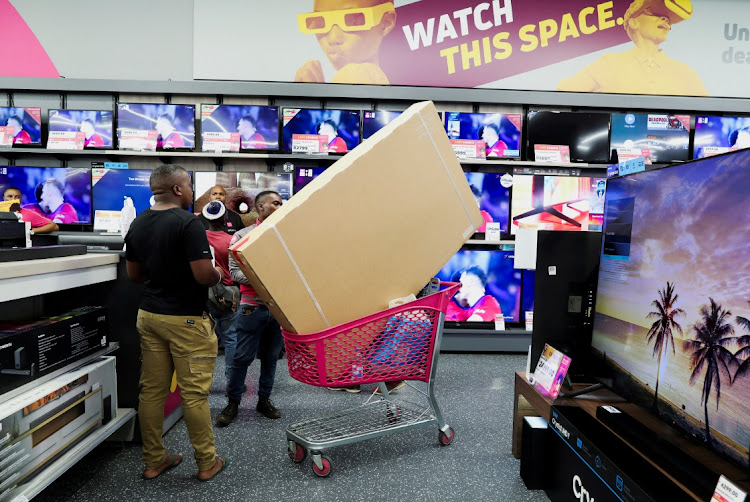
<point x="31" y="350"/>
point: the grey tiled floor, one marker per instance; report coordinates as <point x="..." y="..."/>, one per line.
<point x="475" y="392"/>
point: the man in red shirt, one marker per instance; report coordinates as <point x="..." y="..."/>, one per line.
<point x="328" y="128"/>
<point x="495" y="146"/>
<point x="51" y="203"/>
<point x="471" y="303"/>
<point x="20" y="136"/>
<point x="250" y="138"/>
<point x="168" y="135"/>
<point x="93" y="139"/>
<point x="39" y="224"/>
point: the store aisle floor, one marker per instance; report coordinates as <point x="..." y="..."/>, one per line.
<point x="475" y="392"/>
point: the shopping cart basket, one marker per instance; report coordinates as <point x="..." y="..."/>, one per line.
<point x="401" y="343"/>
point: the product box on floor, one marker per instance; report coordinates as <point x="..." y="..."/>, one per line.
<point x="375" y="226"/>
<point x="40" y="424"/>
<point x="31" y="350"/>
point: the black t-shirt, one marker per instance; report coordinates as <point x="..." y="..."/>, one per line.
<point x="164" y="243"/>
<point x="232" y="223"/>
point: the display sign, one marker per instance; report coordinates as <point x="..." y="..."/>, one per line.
<point x="492" y="231"/>
<point x="636" y="165"/>
<point x="221" y="142"/>
<point x="726" y="491"/>
<point x="552" y="153"/>
<point x="66" y="140"/>
<point x="6" y="137"/>
<point x="137" y="139"/>
<point x="469" y="148"/>
<point x="550" y="372"/>
<point x="624" y="154"/>
<point x="309" y="144"/>
<point x="107" y="221"/>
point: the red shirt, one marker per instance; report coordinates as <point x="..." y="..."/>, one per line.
<point x="487" y="217"/>
<point x="338" y="145"/>
<point x="220" y="242"/>
<point x="487" y="307"/>
<point x="94" y="140"/>
<point x="66" y="213"/>
<point x="36" y="220"/>
<point x="22" y="138"/>
<point x="497" y="150"/>
<point x="174" y="140"/>
<point x="256" y="142"/>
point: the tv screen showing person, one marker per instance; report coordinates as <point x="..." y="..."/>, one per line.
<point x="258" y="126"/>
<point x="320" y="131"/>
<point x="500" y="132"/>
<point x="174" y="124"/>
<point x="25" y="124"/>
<point x="96" y="125"/>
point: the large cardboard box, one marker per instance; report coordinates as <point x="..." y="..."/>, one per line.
<point x="375" y="226"/>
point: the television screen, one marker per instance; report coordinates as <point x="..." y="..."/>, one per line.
<point x="372" y="122"/>
<point x="527" y="292"/>
<point x="558" y="202"/>
<point x="96" y="125"/>
<point x="671" y="317"/>
<point x="26" y="124"/>
<point x="666" y="135"/>
<point x="305" y="175"/>
<point x="59" y="193"/>
<point x="172" y="126"/>
<point x="320" y="131"/>
<point x="111" y="188"/>
<point x="501" y="133"/>
<point x="715" y="135"/>
<point x="241" y="189"/>
<point x="257" y="126"/>
<point x="587" y="134"/>
<point x="492" y="197"/>
<point x="490" y="285"/>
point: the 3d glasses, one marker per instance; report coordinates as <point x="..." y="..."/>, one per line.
<point x="361" y="19"/>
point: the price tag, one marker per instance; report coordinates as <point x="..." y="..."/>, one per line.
<point x="552" y="153"/>
<point x="66" y="140"/>
<point x="469" y="148"/>
<point x="499" y="322"/>
<point x="107" y="221"/>
<point x="492" y="232"/>
<point x="716" y="150"/>
<point x="726" y="491"/>
<point x="624" y="154"/>
<point x="310" y="144"/>
<point x="550" y="371"/>
<point x="529" y="318"/>
<point x="221" y="142"/>
<point x="636" y="165"/>
<point x="138" y="140"/>
<point x="6" y="137"/>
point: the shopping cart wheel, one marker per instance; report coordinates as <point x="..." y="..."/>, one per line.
<point x="326" y="470"/>
<point x="446" y="439"/>
<point x="297" y="455"/>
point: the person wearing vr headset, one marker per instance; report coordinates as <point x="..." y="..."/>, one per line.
<point x="350" y="33"/>
<point x="644" y="69"/>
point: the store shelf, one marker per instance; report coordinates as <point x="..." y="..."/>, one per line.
<point x="483" y="340"/>
<point x="482" y="242"/>
<point x="26" y="279"/>
<point x="42" y="480"/>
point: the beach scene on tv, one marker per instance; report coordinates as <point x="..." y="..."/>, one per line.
<point x="673" y="303"/>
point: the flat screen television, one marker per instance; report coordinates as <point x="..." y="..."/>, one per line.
<point x="500" y="132"/>
<point x="667" y="136"/>
<point x="26" y="123"/>
<point x="490" y="286"/>
<point x="241" y="189"/>
<point x="671" y="316"/>
<point x="527" y="292"/>
<point x="304" y="175"/>
<point x="714" y="135"/>
<point x="372" y="122"/>
<point x="492" y="197"/>
<point x="61" y="194"/>
<point x="111" y="188"/>
<point x="171" y="126"/>
<point x="96" y="125"/>
<point x="257" y="126"/>
<point x="315" y="131"/>
<point x="558" y="202"/>
<point x="587" y="134"/>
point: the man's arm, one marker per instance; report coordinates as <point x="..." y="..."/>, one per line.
<point x="49" y="227"/>
<point x="204" y="273"/>
<point x="135" y="271"/>
<point x="234" y="270"/>
<point x="198" y="253"/>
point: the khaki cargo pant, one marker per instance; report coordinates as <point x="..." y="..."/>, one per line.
<point x="188" y="346"/>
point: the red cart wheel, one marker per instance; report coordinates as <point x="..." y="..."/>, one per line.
<point x="446" y="439"/>
<point x="298" y="454"/>
<point x="326" y="470"/>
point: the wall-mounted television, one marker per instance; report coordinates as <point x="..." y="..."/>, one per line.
<point x="374" y="121"/>
<point x="59" y="193"/>
<point x="558" y="202"/>
<point x="26" y="124"/>
<point x="316" y="131"/>
<point x="490" y="286"/>
<point x="714" y="135"/>
<point x="304" y="175"/>
<point x="492" y="197"/>
<point x="500" y="132"/>
<point x="240" y="187"/>
<point x="257" y="127"/>
<point x="171" y="126"/>
<point x="667" y="136"/>
<point x="96" y="125"/>
<point x="671" y="316"/>
<point x="587" y="134"/>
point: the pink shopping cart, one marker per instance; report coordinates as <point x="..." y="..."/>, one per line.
<point x="401" y="343"/>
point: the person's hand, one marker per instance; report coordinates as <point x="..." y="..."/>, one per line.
<point x="311" y="71"/>
<point x="360" y="73"/>
<point x="221" y="274"/>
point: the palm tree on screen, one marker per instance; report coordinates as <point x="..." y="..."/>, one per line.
<point x="744" y="342"/>
<point x="663" y="328"/>
<point x="713" y="334"/>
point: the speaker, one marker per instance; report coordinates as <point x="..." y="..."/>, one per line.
<point x="533" y="438"/>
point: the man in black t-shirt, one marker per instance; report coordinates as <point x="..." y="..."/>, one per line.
<point x="166" y="248"/>
<point x="232" y="221"/>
